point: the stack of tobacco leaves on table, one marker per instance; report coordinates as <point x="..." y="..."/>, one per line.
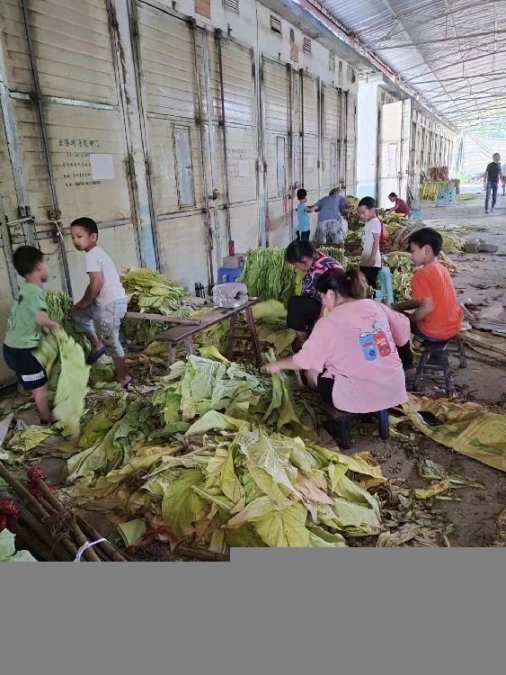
<point x="152" y="293"/>
<point x="218" y="456"/>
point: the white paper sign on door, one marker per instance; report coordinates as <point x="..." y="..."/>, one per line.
<point x="102" y="167"/>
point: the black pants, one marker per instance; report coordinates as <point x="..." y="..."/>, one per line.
<point x="303" y="236"/>
<point x="325" y="388"/>
<point x="371" y="274"/>
<point x="303" y="312"/>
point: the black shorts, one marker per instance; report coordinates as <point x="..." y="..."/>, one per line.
<point x="325" y="388"/>
<point x="371" y="274"/>
<point x="303" y="236"/>
<point x="303" y="312"/>
<point x="30" y="373"/>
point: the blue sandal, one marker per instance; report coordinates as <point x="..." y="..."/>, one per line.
<point x="93" y="358"/>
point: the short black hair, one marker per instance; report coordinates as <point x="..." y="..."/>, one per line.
<point x="87" y="224"/>
<point x="298" y="250"/>
<point x="427" y="236"/>
<point x="368" y="202"/>
<point x="26" y="259"/>
<point x="392" y="195"/>
<point x="334" y="192"/>
<point x="301" y="194"/>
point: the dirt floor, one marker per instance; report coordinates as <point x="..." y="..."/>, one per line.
<point x="474" y="518"/>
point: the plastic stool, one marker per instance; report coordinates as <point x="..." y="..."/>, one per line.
<point x="442" y="198"/>
<point x="228" y="276"/>
<point x="440" y="350"/>
<point x="416" y="216"/>
<point x="342" y="421"/>
<point x="451" y="196"/>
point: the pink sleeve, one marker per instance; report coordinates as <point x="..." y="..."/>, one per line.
<point x="399" y="325"/>
<point x="312" y="356"/>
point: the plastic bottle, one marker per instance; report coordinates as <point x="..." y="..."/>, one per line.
<point x="231" y="248"/>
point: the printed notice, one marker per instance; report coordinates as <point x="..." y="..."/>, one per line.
<point x="102" y="167"/>
<point x="243" y="169"/>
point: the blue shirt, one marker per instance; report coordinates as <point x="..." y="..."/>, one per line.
<point x="303" y="217"/>
<point x="331" y="208"/>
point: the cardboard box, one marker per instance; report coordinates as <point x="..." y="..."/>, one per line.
<point x="233" y="262"/>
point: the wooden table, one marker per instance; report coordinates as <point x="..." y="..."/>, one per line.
<point x="185" y="334"/>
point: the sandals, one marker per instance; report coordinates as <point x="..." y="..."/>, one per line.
<point x="93" y="358"/>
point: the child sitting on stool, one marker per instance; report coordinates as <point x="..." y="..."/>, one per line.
<point x="438" y="315"/>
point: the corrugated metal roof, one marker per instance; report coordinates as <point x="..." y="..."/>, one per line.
<point x="452" y="51"/>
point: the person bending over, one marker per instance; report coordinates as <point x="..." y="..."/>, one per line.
<point x="304" y="310"/>
<point x="351" y="356"/>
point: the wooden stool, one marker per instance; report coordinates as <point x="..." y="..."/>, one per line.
<point x="440" y="350"/>
<point x="342" y="422"/>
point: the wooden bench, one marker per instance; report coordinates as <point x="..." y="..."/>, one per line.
<point x="184" y="334"/>
<point x="342" y="421"/>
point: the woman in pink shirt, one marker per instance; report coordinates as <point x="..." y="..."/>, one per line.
<point x="351" y="356"/>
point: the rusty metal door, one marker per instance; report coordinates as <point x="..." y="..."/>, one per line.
<point x="173" y="108"/>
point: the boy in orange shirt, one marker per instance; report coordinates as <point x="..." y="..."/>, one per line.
<point x="438" y="315"/>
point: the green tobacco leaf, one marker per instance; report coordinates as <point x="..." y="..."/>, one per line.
<point x="214" y="421"/>
<point x="30" y="438"/>
<point x="133" y="531"/>
<point x="72" y="387"/>
<point x="320" y="538"/>
<point x="8" y="549"/>
<point x="230" y="484"/>
<point x="286" y="528"/>
<point x="272" y="454"/>
<point x="182" y="507"/>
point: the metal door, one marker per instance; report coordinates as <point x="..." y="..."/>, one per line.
<point x="390" y="150"/>
<point x="351" y="142"/>
<point x="332" y="139"/>
<point x="277" y="126"/>
<point x="72" y="148"/>
<point x="309" y="135"/>
<point x="173" y="103"/>
<point x="238" y="135"/>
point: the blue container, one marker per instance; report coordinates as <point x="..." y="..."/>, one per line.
<point x="442" y="198"/>
<point x="228" y="276"/>
<point x="416" y="216"/>
<point x="451" y="196"/>
<point x="385" y="279"/>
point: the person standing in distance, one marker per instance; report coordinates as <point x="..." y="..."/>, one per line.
<point x="491" y="181"/>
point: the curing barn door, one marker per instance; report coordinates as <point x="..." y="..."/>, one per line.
<point x="172" y="115"/>
<point x="332" y="153"/>
<point x="8" y="277"/>
<point x="390" y="150"/>
<point x="309" y="131"/>
<point x="238" y="137"/>
<point x="351" y="142"/>
<point x="83" y="124"/>
<point x="276" y="111"/>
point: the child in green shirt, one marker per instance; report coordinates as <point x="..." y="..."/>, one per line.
<point x="27" y="322"/>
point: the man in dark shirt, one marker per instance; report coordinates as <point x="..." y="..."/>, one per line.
<point x="491" y="181"/>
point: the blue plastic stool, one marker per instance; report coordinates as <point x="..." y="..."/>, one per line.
<point x="451" y="196"/>
<point x="228" y="276"/>
<point x="442" y="198"/>
<point x="416" y="216"/>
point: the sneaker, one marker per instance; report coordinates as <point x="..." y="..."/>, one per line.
<point x="486" y="212"/>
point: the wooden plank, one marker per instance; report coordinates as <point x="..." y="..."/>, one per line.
<point x="208" y="320"/>
<point x="161" y="318"/>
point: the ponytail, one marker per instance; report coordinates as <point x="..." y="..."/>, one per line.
<point x="351" y="284"/>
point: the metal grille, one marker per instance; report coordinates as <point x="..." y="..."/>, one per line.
<point x="232" y="5"/>
<point x="306" y="46"/>
<point x="276" y="25"/>
<point x="332" y="62"/>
